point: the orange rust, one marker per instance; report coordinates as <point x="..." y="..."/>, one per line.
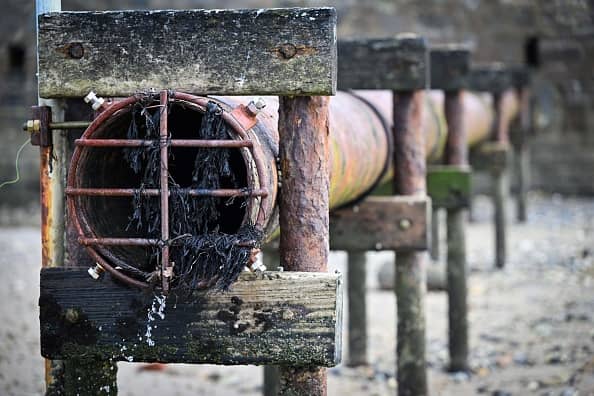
<point x="288" y="51"/>
<point x="243" y="117"/>
<point x="46" y="199"/>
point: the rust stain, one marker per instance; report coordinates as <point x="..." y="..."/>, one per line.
<point x="288" y="51"/>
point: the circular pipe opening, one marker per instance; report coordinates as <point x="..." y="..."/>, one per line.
<point x="112" y="167"/>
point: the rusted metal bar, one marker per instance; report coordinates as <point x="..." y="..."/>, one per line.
<point x="69" y="125"/>
<point x="409" y="179"/>
<point x="304" y="209"/>
<point x="456" y="154"/>
<point x="164" y="193"/>
<point x="119" y="241"/>
<point x="52" y="204"/>
<point x="153" y="192"/>
<point x="140" y="242"/>
<point x="171" y="143"/>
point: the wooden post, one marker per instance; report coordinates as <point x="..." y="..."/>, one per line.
<point x="356" y="278"/>
<point x="456" y="154"/>
<point x="304" y="209"/>
<point x="435" y="250"/>
<point x="522" y="154"/>
<point x="496" y="79"/>
<point x="500" y="186"/>
<point x="410" y="285"/>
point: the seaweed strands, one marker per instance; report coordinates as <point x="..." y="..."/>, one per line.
<point x="203" y="255"/>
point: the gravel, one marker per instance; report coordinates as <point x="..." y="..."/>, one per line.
<point x="530" y="324"/>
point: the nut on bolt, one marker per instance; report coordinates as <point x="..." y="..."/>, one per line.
<point x="255" y="107"/>
<point x="96" y="271"/>
<point x="95" y="101"/>
<point x="32" y="126"/>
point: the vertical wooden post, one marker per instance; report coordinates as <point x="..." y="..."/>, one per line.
<point x="357" y="309"/>
<point x="271" y="260"/>
<point x="435" y="250"/>
<point x="500" y="185"/>
<point x="522" y="154"/>
<point x="456" y="153"/>
<point x="304" y="209"/>
<point x="410" y="286"/>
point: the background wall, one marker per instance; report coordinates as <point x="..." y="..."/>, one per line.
<point x="563" y="153"/>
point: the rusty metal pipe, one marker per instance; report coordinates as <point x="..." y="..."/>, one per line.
<point x="360" y="150"/>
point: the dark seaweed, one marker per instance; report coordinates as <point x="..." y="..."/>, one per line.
<point x="203" y="255"/>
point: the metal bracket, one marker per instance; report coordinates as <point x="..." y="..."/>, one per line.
<point x="449" y="186"/>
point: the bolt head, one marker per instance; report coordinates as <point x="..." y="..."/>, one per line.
<point x="405" y="224"/>
<point x="260" y="103"/>
<point x="76" y="50"/>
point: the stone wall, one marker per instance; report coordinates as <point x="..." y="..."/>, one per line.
<point x="497" y="29"/>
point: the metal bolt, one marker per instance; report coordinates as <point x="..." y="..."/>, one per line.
<point x="258" y="267"/>
<point x="288" y="50"/>
<point x="95" y="271"/>
<point x="405" y="224"/>
<point x="95" y="101"/>
<point x="71" y="315"/>
<point x="76" y="50"/>
<point x="255" y="107"/>
<point x="260" y="103"/>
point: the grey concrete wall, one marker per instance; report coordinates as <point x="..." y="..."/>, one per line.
<point x="497" y="29"/>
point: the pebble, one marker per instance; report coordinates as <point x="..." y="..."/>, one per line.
<point x="460" y="376"/>
<point x="569" y="392"/>
<point x="533" y="385"/>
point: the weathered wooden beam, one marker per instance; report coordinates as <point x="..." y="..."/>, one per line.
<point x="494" y="78"/>
<point x="398" y="223"/>
<point x="270" y="318"/>
<point x="520" y="76"/>
<point x="491" y="156"/>
<point x="450" y="67"/>
<point x="288" y="51"/>
<point x="449" y="186"/>
<point x="396" y="63"/>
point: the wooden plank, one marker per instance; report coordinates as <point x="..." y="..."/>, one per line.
<point x="286" y="318"/>
<point x="288" y="51"/>
<point x="450" y="67"/>
<point x="492" y="156"/>
<point x="520" y="76"/>
<point x="449" y="186"/>
<point x="397" y="63"/>
<point x="397" y="223"/>
<point x="494" y="78"/>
